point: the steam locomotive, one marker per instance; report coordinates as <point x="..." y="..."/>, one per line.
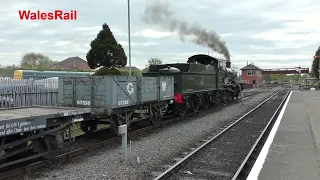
<point x="200" y="82"/>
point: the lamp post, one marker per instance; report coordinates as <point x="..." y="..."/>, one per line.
<point x="129" y="35"/>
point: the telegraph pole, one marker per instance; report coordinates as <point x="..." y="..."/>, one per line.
<point x="129" y="35"/>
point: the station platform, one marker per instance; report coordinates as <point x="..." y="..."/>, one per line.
<point x="291" y="151"/>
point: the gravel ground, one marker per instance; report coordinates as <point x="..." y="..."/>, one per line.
<point x="220" y="159"/>
<point x="146" y="153"/>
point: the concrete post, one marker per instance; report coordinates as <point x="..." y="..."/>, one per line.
<point x="123" y="130"/>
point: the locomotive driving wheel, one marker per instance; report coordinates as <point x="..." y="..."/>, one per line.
<point x="230" y="96"/>
<point x="205" y="101"/>
<point x="236" y="96"/>
<point x="223" y="97"/>
<point x="195" y="104"/>
<point x="219" y="97"/>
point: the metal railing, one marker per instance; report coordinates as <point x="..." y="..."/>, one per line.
<point x="28" y="92"/>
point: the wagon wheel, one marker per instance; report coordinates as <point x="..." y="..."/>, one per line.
<point x="206" y="102"/>
<point x="154" y="117"/>
<point x="114" y="125"/>
<point x="89" y="126"/>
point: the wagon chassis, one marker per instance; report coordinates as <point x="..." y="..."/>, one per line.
<point x="154" y="111"/>
<point x="23" y="142"/>
<point x="35" y="143"/>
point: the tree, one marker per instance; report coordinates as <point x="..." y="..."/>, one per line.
<point x="137" y="72"/>
<point x="152" y="61"/>
<point x="315" y="64"/>
<point x="7" y="71"/>
<point x="106" y="51"/>
<point x="35" y="61"/>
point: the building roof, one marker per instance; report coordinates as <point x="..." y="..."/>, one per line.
<point x="71" y="59"/>
<point x="74" y="60"/>
<point x="250" y="67"/>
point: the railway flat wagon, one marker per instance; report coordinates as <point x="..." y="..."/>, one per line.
<point x="33" y="132"/>
<point x="117" y="99"/>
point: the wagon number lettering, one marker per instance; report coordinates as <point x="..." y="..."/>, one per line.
<point x="86" y="103"/>
<point x="124" y="102"/>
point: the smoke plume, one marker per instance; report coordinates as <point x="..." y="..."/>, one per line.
<point x="158" y="13"/>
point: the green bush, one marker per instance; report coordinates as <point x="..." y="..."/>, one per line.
<point x="137" y="73"/>
<point x="104" y="71"/>
<point x="124" y="73"/>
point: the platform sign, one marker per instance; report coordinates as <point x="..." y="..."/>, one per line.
<point x="16" y="127"/>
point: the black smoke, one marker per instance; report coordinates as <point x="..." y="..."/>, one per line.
<point x="159" y="13"/>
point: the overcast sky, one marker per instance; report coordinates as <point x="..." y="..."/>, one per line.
<point x="272" y="34"/>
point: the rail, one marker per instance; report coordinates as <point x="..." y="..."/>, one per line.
<point x="166" y="174"/>
<point x="259" y="141"/>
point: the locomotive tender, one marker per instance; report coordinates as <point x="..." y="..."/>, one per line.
<point x="173" y="89"/>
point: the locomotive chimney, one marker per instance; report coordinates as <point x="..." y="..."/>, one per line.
<point x="228" y="64"/>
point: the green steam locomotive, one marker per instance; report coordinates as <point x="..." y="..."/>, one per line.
<point x="201" y="82"/>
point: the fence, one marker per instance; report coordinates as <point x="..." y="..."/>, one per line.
<point x="28" y="92"/>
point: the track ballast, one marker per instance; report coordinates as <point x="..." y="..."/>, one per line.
<point x="220" y="156"/>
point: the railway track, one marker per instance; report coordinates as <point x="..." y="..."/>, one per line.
<point x="36" y="164"/>
<point x="230" y="154"/>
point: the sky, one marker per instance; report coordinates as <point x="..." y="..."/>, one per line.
<point x="270" y="34"/>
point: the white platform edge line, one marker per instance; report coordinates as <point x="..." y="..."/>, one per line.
<point x="255" y="171"/>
